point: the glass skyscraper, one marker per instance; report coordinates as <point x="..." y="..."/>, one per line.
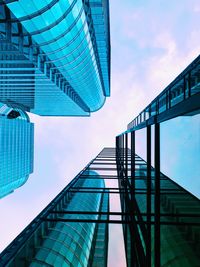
<point x="16" y="149"/>
<point x="160" y="219"/>
<point x="163" y="141"/>
<point x="178" y="224"/>
<point x="63" y="234"/>
<point x="55" y="56"/>
<point x="161" y="224"/>
<point x="68" y="69"/>
<point x="54" y="61"/>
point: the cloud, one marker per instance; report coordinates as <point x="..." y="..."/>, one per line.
<point x="152" y="41"/>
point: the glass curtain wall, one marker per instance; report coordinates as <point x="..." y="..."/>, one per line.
<point x="164" y="149"/>
<point x="16" y="149"/>
<point x="164" y="218"/>
<point x="71" y="231"/>
<point x="55" y="52"/>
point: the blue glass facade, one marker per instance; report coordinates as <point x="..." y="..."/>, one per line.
<point x="71" y="243"/>
<point x="56" y="54"/>
<point x="165" y="217"/>
<point x="16" y="149"/>
<point x="184" y="150"/>
<point x="179" y="221"/>
<point x="67" y="237"/>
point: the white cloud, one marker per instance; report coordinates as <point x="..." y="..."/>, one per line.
<point x="146" y="56"/>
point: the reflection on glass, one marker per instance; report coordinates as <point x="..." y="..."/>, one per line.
<point x="64" y="240"/>
<point x="178" y="220"/>
<point x="61" y="65"/>
<point x="152" y="145"/>
<point x="16" y="149"/>
<point x="140" y="143"/>
<point x="180" y="151"/>
<point x="180" y="226"/>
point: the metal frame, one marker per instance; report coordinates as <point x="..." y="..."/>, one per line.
<point x="131" y="216"/>
<point x="130" y="209"/>
<point x="182" y="96"/>
<point x="34" y="57"/>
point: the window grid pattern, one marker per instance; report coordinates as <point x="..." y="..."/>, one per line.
<point x="56" y="47"/>
<point x="62" y="239"/>
<point x="16" y="150"/>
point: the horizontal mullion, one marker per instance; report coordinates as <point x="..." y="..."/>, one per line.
<point x="126" y="213"/>
<point x="108" y="221"/>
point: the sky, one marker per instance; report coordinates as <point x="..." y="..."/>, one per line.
<point x="152" y="41"/>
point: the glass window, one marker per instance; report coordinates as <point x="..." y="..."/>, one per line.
<point x="180" y="151"/>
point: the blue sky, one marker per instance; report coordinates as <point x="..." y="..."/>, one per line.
<point x="152" y="42"/>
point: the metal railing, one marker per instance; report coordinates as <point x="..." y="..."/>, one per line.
<point x="184" y="87"/>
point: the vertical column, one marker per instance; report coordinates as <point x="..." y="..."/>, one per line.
<point x="122" y="151"/>
<point x="157" y="197"/>
<point x="132" y="181"/>
<point x="20" y="38"/>
<point x="8" y="24"/>
<point x="126" y="156"/>
<point x="184" y="88"/>
<point x="189" y="84"/>
<point x="133" y="161"/>
<point x="137" y="227"/>
<point x="148" y="240"/>
<point x="117" y="147"/>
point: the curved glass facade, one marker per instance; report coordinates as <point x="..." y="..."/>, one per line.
<point x="64" y="52"/>
<point x="70" y="235"/>
<point x="16" y="149"/>
<point x="69" y="244"/>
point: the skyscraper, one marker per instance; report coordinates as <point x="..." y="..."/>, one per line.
<point x="73" y="228"/>
<point x="66" y="232"/>
<point x="160" y="219"/>
<point x="168" y="236"/>
<point x="164" y="218"/>
<point x="16" y="149"/>
<point x="55" y="56"/>
<point x="54" y="61"/>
